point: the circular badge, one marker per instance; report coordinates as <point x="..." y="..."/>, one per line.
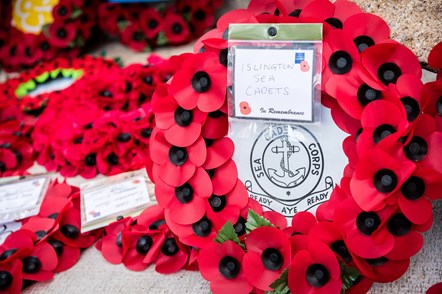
<point x="287" y="162"/>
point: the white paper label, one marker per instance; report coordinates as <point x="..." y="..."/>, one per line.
<point x="21" y="195"/>
<point x="289" y="168"/>
<point x="121" y="195"/>
<point x="273" y="84"/>
<point x="7" y="229"/>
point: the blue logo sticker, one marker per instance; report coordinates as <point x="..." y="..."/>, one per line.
<point x="299" y="57"/>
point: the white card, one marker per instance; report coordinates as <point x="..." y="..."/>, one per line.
<point x="289" y="168"/>
<point x="22" y="198"/>
<point x="273" y="84"/>
<point x="7" y="229"/>
<point x="105" y="199"/>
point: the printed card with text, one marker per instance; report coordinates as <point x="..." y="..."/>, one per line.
<point x="21" y="198"/>
<point x="105" y="200"/>
<point x="275" y="72"/>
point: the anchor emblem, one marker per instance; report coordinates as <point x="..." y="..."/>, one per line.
<point x="288" y="178"/>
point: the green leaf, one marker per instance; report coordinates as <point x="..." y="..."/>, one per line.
<point x="280" y="286"/>
<point x="227" y="232"/>
<point x="122" y="25"/>
<point x="119" y="61"/>
<point x="348" y="276"/>
<point x="42" y="78"/>
<point x="76" y="13"/>
<point x="29" y="85"/>
<point x="66" y="72"/>
<point x="77" y="73"/>
<point x="255" y="221"/>
<point x="161" y="39"/>
<point x="45" y="29"/>
<point x="102" y="53"/>
<point x="54" y="73"/>
<point x="21" y="91"/>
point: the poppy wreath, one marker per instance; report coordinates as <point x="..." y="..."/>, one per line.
<point x="69" y="27"/>
<point x="371" y="225"/>
<point x="20" y="89"/>
<point x="102" y="123"/>
<point x="19" y="110"/>
<point x="143" y="27"/>
<point x="47" y="243"/>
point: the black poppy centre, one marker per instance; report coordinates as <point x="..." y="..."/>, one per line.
<point x="366" y="94"/>
<point x="399" y="225"/>
<point x="367" y="222"/>
<point x="317" y="275"/>
<point x="272" y="259"/>
<point x="340" y="62"/>
<point x="363" y="42"/>
<point x="229" y="267"/>
<point x="5" y="280"/>
<point x="183" y="117"/>
<point x="177" y="155"/>
<point x="217" y="203"/>
<point x="184" y="193"/>
<point x="411" y="108"/>
<point x="383" y="131"/>
<point x="385" y="180"/>
<point x="389" y="73"/>
<point x="416" y="149"/>
<point x="203" y="227"/>
<point x="413" y="188"/>
<point x="170" y="247"/>
<point x="341" y="249"/>
<point x="201" y="82"/>
<point x="144" y="244"/>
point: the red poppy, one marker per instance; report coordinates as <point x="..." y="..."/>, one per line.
<point x="366" y="232"/>
<point x="221" y="265"/>
<point x="223" y="177"/>
<point x="182" y="127"/>
<point x="62" y="12"/>
<point x="334" y="14"/>
<point x="377" y="178"/>
<point x="150" y="22"/>
<point x="218" y="152"/>
<point x="382" y="122"/>
<point x="352" y="94"/>
<point x="175" y="28"/>
<point x="175" y="165"/>
<point x="382" y="269"/>
<point x="69" y="232"/>
<point x="111" y="245"/>
<point x="302" y="222"/>
<point x="17" y="245"/>
<point x="40" y="226"/>
<point x="39" y="264"/>
<point x="216" y="125"/>
<point x="172" y="257"/>
<point x="226" y="207"/>
<point x="268" y="255"/>
<point x="197" y="234"/>
<point x="340" y="56"/>
<point x="407" y="90"/>
<point x="11" y="277"/>
<point x="67" y="255"/>
<point x="384" y="63"/>
<point x="314" y="269"/>
<point x="141" y="246"/>
<point x="202" y="17"/>
<point x="366" y="29"/>
<point x="186" y="202"/>
<point x="416" y="192"/>
<point x="207" y="87"/>
<point x="62" y="34"/>
<point x="435" y="289"/>
<point x="431" y="102"/>
<point x="133" y="37"/>
<point x="435" y="57"/>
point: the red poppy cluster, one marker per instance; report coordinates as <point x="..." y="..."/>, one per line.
<point x="99" y="124"/>
<point x="373" y="223"/>
<point x="47" y="243"/>
<point x="71" y="28"/>
<point x="108" y="123"/>
<point x="142" y="27"/>
<point x="144" y="240"/>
